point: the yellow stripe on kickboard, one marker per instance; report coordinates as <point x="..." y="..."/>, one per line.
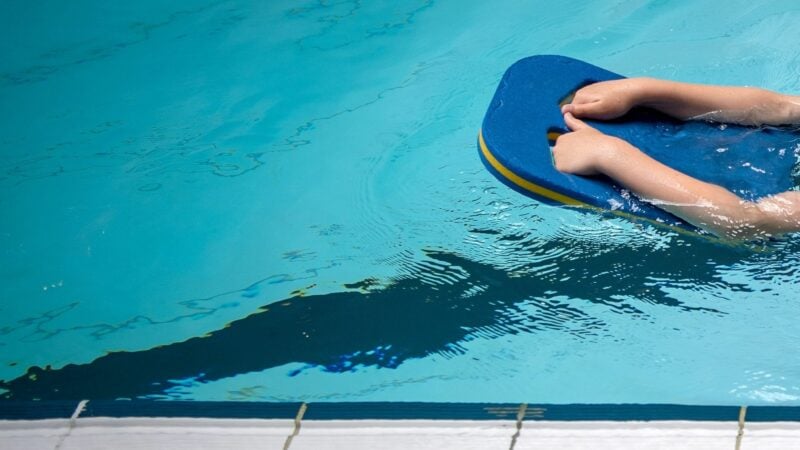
<point x="523" y="183"/>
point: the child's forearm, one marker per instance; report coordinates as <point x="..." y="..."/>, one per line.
<point x="586" y="151"/>
<point x="743" y="105"/>
<point x="702" y="204"/>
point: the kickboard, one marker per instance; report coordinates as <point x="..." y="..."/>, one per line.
<point x="752" y="162"/>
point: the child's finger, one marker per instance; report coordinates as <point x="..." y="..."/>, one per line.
<point x="575" y="124"/>
<point x="590" y="109"/>
<point x="578" y="109"/>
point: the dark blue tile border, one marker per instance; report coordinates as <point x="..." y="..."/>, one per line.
<point x="25" y="410"/>
<point x="212" y="410"/>
<point x="411" y="410"/>
<point x="32" y="410"/>
<point x="773" y="414"/>
<point x="626" y="412"/>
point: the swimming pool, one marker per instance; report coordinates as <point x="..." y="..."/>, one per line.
<point x="283" y="201"/>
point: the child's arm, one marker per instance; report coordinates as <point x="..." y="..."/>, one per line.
<point x="743" y="105"/>
<point x="587" y="151"/>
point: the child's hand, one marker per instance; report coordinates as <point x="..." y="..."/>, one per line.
<point x="605" y="100"/>
<point x="584" y="151"/>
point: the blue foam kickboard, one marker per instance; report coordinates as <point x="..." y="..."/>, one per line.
<point x="749" y="161"/>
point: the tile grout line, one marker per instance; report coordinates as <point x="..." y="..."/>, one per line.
<point x="298" y="418"/>
<point x="520" y="416"/>
<point x="74" y="418"/>
<point x="740" y="433"/>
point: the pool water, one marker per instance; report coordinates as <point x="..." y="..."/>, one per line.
<point x="283" y="201"/>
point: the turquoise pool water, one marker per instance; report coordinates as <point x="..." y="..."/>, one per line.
<point x="283" y="201"/>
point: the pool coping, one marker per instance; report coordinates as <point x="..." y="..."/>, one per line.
<point x="392" y="425"/>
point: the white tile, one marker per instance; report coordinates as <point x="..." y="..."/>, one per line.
<point x="773" y="435"/>
<point x="108" y="433"/>
<point x="627" y="435"/>
<point x="103" y="433"/>
<point x="405" y="434"/>
<point x="32" y="434"/>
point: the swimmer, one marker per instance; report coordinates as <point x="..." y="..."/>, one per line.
<point x="587" y="151"/>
